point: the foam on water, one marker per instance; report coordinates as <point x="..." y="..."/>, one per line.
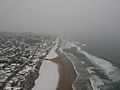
<point x="112" y="72"/>
<point x="95" y="80"/>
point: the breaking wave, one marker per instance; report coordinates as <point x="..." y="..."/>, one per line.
<point x="103" y="74"/>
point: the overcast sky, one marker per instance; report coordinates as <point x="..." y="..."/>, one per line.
<point x="79" y="17"/>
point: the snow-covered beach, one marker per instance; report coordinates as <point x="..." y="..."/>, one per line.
<point x="56" y="71"/>
<point x="49" y="74"/>
<point x="52" y="54"/>
<point x="48" y="78"/>
<point x="57" y="64"/>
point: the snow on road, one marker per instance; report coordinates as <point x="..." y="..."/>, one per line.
<point x="48" y="78"/>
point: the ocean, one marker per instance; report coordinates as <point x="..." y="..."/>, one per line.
<point x="107" y="47"/>
<point x="101" y="59"/>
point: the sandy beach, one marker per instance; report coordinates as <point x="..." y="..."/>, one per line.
<point x="66" y="72"/>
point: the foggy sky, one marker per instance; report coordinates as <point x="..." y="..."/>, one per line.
<point x="74" y="17"/>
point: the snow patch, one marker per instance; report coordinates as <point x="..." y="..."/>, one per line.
<point x="48" y="78"/>
<point x="52" y="54"/>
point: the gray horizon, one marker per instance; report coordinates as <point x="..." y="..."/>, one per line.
<point x="66" y="17"/>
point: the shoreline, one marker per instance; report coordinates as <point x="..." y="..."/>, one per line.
<point x="67" y="73"/>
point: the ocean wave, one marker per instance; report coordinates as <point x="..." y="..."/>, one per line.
<point x="110" y="73"/>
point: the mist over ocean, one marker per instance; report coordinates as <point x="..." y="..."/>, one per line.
<point x="60" y="44"/>
<point x="93" y="22"/>
<point x="106" y="46"/>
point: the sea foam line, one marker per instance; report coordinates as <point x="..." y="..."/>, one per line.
<point x="111" y="71"/>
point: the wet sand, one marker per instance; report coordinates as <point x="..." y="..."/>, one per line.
<point x="67" y="74"/>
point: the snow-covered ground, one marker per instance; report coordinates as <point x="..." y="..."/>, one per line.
<point x="49" y="74"/>
<point x="48" y="78"/>
<point x="52" y="54"/>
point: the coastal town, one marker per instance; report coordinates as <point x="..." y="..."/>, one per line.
<point x="59" y="45"/>
<point x="21" y="55"/>
<point x="30" y="61"/>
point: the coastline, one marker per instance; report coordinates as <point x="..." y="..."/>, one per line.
<point x="67" y="74"/>
<point x="66" y="71"/>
